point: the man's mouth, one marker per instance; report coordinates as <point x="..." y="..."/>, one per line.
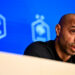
<point x="73" y="48"/>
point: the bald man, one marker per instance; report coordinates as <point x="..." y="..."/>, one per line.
<point x="62" y="48"/>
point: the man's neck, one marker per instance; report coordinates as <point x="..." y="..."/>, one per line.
<point x="60" y="52"/>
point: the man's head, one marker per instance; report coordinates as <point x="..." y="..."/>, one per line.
<point x="65" y="31"/>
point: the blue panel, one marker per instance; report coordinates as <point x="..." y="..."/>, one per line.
<point x="25" y="21"/>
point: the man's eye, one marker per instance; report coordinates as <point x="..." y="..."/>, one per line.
<point x="72" y="31"/>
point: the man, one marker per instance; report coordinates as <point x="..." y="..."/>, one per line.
<point x="63" y="47"/>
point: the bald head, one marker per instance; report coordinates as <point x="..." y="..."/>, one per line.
<point x="65" y="32"/>
<point x="66" y="19"/>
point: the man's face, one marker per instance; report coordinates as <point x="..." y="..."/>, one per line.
<point x="67" y="37"/>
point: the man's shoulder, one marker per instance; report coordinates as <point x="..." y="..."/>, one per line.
<point x="40" y="49"/>
<point x="42" y="44"/>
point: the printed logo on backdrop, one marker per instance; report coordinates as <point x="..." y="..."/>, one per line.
<point x="2" y="26"/>
<point x="40" y="29"/>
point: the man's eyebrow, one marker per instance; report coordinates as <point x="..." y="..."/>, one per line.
<point x="72" y="26"/>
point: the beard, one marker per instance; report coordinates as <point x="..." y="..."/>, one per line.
<point x="64" y="47"/>
<point x="67" y="48"/>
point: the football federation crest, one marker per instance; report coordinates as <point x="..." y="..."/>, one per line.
<point x="2" y="26"/>
<point x="40" y="29"/>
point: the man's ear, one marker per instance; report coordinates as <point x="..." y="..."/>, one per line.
<point x="58" y="28"/>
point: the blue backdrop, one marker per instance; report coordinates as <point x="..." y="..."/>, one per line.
<point x="25" y="21"/>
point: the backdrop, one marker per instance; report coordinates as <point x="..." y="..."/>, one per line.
<point x="25" y="21"/>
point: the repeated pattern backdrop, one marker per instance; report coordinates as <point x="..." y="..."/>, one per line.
<point x="25" y="21"/>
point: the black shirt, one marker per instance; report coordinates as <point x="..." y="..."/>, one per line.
<point x="45" y="50"/>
